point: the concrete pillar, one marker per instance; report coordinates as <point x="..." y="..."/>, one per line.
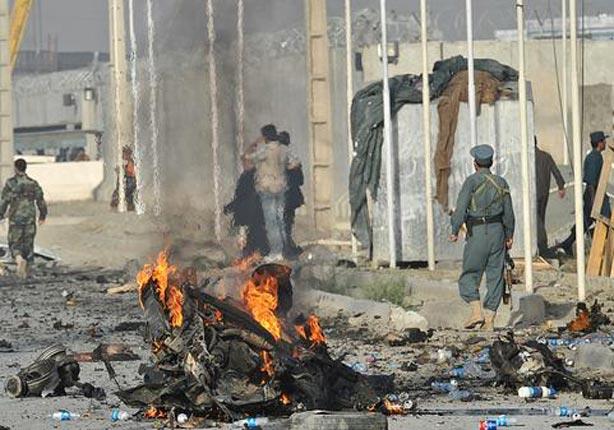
<point x="89" y="107"/>
<point x="6" y="97"/>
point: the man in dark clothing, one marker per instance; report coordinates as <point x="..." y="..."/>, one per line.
<point x="294" y="199"/>
<point x="592" y="171"/>
<point x="545" y="167"/>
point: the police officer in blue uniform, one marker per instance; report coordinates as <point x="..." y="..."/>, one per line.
<point x="484" y="205"/>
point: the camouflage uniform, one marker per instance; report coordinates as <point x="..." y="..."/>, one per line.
<point x="19" y="196"/>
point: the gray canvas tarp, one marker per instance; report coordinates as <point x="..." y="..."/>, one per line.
<point x="367" y="118"/>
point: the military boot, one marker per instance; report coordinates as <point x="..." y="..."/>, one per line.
<point x="489" y="320"/>
<point x="476" y="318"/>
<point x="22" y="267"/>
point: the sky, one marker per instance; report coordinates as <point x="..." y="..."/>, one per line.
<point x="81" y="25"/>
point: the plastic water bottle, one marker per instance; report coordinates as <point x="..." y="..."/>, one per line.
<point x="563" y="411"/>
<point x="484" y="356"/>
<point x="471" y="370"/>
<point x="488" y="425"/>
<point x="64" y="415"/>
<point x="536" y="392"/>
<point x="118" y="415"/>
<point x="505" y="421"/>
<point x="250" y="423"/>
<point x="461" y="395"/>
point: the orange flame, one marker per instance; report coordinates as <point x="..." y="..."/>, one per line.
<point x="316" y="335"/>
<point x="392" y="409"/>
<point x="267" y="363"/>
<point x="260" y="297"/>
<point x="311" y="330"/>
<point x="154" y="413"/>
<point x="174" y="304"/>
<point x="169" y="295"/>
<point x="285" y="399"/>
<point x="244" y="264"/>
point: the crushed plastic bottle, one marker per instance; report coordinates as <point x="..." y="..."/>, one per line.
<point x="472" y="370"/>
<point x="461" y="395"/>
<point x="488" y="425"/>
<point x="118" y="415"/>
<point x="505" y="421"/>
<point x="536" y="392"/>
<point x="359" y="367"/>
<point x="562" y="411"/>
<point x="250" y="423"/>
<point x="484" y="356"/>
<point x="64" y="415"/>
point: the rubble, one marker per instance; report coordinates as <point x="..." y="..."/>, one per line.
<point x="225" y="358"/>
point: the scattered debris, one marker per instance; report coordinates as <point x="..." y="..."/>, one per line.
<point x="107" y="352"/>
<point x="50" y="374"/>
<point x="6" y="346"/>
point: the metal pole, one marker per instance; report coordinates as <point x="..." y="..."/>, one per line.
<point x="153" y="107"/>
<point x="119" y="69"/>
<point x="390" y="173"/>
<point x="6" y="97"/>
<point x="214" y="120"/>
<point x="350" y="95"/>
<point x="240" y="82"/>
<point x="470" y="69"/>
<point x="565" y="83"/>
<point x="577" y="150"/>
<point x="139" y="200"/>
<point x="426" y="136"/>
<point x="524" y="152"/>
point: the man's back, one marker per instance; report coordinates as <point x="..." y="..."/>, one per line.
<point x="271" y="160"/>
<point x="20" y="194"/>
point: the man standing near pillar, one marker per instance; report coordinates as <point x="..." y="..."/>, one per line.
<point x="545" y="167"/>
<point x="484" y="205"/>
<point x="592" y="171"/>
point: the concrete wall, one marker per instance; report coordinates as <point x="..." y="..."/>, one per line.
<point x="62" y="182"/>
<point x="541" y="71"/>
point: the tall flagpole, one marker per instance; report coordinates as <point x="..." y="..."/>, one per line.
<point x="471" y="72"/>
<point x="426" y="138"/>
<point x="577" y="151"/>
<point x="524" y="152"/>
<point x="390" y="173"/>
<point x="349" y="96"/>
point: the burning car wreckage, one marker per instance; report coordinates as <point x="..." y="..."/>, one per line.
<point x="228" y="357"/>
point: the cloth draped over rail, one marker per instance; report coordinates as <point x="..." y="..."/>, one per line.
<point x="367" y="120"/>
<point x="457" y="91"/>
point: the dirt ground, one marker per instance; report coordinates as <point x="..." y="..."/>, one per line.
<point x="87" y="234"/>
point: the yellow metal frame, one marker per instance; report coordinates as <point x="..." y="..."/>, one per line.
<point x="19" y="18"/>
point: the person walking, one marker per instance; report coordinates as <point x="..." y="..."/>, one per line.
<point x="545" y="168"/>
<point x="592" y="171"/>
<point x="484" y="205"/>
<point x="271" y="161"/>
<point x="19" y="196"/>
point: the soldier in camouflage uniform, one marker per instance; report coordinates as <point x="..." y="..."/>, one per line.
<point x="485" y="207"/>
<point x="19" y="196"/>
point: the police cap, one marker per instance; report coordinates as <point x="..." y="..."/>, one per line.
<point x="482" y="152"/>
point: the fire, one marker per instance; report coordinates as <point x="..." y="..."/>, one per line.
<point x="244" y="264"/>
<point x="392" y="409"/>
<point x="169" y="295"/>
<point x="316" y="335"/>
<point x="260" y="297"/>
<point x="154" y="413"/>
<point x="311" y="330"/>
<point x="174" y="304"/>
<point x="285" y="399"/>
<point x="267" y="363"/>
